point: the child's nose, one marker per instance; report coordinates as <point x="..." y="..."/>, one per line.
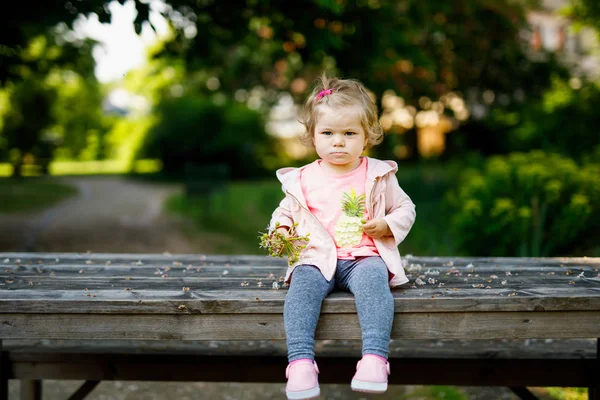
<point x="338" y="140"/>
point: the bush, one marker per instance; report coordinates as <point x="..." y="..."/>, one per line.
<point x="195" y="131"/>
<point x="527" y="204"/>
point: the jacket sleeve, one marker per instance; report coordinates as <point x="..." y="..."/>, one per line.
<point x="400" y="210"/>
<point x="282" y="214"/>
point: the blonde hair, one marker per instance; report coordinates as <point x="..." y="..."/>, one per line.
<point x="343" y="93"/>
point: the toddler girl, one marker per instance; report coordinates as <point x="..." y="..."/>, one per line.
<point x="356" y="214"/>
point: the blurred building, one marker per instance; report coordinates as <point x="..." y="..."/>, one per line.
<point x="550" y="32"/>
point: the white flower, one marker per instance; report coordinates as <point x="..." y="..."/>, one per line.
<point x="225" y="272"/>
<point x="415" y="268"/>
<point x="431" y="281"/>
<point x="419" y="282"/>
<point x="275" y="286"/>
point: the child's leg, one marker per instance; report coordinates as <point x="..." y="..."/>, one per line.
<point x="301" y="310"/>
<point x="367" y="279"/>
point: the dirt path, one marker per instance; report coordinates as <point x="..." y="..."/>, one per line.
<point x="109" y="214"/>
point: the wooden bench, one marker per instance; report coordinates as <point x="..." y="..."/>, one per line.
<point x="512" y="322"/>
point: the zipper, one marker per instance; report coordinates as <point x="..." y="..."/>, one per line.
<point x="371" y="197"/>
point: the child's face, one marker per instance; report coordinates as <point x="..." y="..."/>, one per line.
<point x="339" y="137"/>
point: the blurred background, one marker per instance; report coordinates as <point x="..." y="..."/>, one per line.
<point x="146" y="126"/>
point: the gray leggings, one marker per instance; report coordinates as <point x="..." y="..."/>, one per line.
<point x="366" y="278"/>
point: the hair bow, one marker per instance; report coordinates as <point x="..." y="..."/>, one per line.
<point x="324" y="93"/>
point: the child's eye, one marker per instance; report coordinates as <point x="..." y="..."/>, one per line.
<point x="326" y="133"/>
<point x="350" y="133"/>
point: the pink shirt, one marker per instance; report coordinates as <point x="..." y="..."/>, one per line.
<point x="324" y="192"/>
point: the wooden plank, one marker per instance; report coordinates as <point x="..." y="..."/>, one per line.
<point x="490" y="325"/>
<point x="35" y="283"/>
<point x="153" y="260"/>
<point x="127" y="257"/>
<point x="523" y="393"/>
<point x="442" y="274"/>
<point x="5" y="371"/>
<point x="84" y="390"/>
<point x="84" y="272"/>
<point x="31" y="389"/>
<point x="266" y="300"/>
<point x="551" y="349"/>
<point x="149" y="267"/>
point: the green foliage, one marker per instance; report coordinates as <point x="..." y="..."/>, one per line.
<point x="29" y="19"/>
<point x="126" y="137"/>
<point x="561" y="122"/>
<point x="53" y="101"/>
<point x="433" y="392"/>
<point x="527" y="204"/>
<point x="414" y="47"/>
<point x="585" y="12"/>
<point x="197" y="131"/>
<point x="561" y="393"/>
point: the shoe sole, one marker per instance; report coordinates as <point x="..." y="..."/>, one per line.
<point x="368" y="387"/>
<point x="304" y="394"/>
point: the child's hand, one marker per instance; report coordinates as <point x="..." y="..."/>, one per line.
<point x="284" y="231"/>
<point x="376" y="228"/>
<point x="284" y="241"/>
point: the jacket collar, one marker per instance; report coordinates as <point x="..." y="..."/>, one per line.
<point x="290" y="176"/>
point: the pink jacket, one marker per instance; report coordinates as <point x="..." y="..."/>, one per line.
<point x="385" y="200"/>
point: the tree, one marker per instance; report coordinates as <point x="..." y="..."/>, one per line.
<point x="26" y="20"/>
<point x="42" y="95"/>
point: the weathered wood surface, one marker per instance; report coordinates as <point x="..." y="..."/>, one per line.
<point x="197" y="297"/>
<point x="576" y="349"/>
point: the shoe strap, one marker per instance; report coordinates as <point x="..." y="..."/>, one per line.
<point x="287" y="370"/>
<point x="387" y="366"/>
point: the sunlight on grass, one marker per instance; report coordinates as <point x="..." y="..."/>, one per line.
<point x="31" y="195"/>
<point x="561" y="393"/>
<point x="5" y="170"/>
<point x="435" y="393"/>
<point x="57" y="168"/>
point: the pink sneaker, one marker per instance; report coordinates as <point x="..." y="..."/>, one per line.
<point x="371" y="375"/>
<point x="302" y="380"/>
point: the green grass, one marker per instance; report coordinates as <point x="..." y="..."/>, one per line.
<point x="243" y="209"/>
<point x="29" y="195"/>
<point x="436" y="393"/>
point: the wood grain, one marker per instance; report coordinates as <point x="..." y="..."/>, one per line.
<point x="492" y="325"/>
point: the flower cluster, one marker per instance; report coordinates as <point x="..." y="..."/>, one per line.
<point x="279" y="245"/>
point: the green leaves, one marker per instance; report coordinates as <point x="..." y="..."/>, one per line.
<point x="527" y="204"/>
